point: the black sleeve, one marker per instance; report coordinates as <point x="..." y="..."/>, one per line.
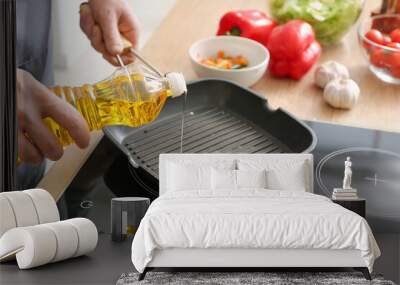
<point x="34" y="40"/>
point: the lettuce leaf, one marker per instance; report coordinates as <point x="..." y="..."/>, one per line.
<point x="331" y="19"/>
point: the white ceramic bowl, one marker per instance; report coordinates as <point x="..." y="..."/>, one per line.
<point x="254" y="52"/>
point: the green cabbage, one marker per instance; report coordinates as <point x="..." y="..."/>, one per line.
<point x="330" y="18"/>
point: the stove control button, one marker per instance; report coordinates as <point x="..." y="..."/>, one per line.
<point x="86" y="204"/>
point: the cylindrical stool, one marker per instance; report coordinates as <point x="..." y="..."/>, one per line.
<point x="126" y="214"/>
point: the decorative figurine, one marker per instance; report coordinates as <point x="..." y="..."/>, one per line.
<point x="346" y="192"/>
<point x="347" y="174"/>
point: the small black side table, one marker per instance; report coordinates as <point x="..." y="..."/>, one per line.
<point x="357" y="206"/>
<point x="126" y="214"/>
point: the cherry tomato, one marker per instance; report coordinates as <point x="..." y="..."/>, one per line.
<point x="386" y="40"/>
<point x="378" y="58"/>
<point x="375" y="36"/>
<point x="395" y="35"/>
<point x="393" y="59"/>
<point x="394" y="45"/>
<point x="395" y="71"/>
<point x="370" y="49"/>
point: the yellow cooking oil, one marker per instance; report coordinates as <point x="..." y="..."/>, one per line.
<point x="116" y="101"/>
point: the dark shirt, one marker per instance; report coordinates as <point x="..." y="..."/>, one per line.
<point x="33" y="39"/>
<point x="33" y="55"/>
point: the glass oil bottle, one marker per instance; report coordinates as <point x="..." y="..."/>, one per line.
<point x="133" y="96"/>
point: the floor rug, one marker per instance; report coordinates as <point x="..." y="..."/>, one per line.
<point x="244" y="278"/>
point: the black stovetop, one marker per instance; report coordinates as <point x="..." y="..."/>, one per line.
<point x="376" y="174"/>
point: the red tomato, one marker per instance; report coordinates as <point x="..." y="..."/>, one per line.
<point x="393" y="59"/>
<point x="395" y="35"/>
<point x="386" y="40"/>
<point x="394" y="45"/>
<point x="395" y="71"/>
<point x="375" y="36"/>
<point x="378" y="58"/>
<point x="368" y="47"/>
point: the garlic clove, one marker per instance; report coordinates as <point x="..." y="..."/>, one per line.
<point x="342" y="93"/>
<point x="329" y="71"/>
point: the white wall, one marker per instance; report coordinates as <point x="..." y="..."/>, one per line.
<point x="75" y="62"/>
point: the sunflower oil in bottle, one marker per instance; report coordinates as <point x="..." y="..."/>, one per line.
<point x="119" y="100"/>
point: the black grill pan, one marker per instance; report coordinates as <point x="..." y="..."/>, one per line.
<point x="220" y="117"/>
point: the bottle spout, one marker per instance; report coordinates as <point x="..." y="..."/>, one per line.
<point x="176" y="80"/>
<point x="177" y="83"/>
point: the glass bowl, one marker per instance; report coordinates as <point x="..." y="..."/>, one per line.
<point x="383" y="61"/>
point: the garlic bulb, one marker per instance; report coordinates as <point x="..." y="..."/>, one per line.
<point x="341" y="93"/>
<point x="328" y="71"/>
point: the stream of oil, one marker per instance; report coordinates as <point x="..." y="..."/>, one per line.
<point x="183" y="119"/>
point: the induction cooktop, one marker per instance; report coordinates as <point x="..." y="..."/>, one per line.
<point x="376" y="175"/>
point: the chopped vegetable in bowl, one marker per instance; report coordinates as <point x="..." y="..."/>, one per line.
<point x="330" y="19"/>
<point x="223" y="61"/>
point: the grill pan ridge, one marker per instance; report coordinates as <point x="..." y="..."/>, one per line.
<point x="220" y="117"/>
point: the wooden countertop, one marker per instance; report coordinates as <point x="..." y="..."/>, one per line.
<point x="189" y="21"/>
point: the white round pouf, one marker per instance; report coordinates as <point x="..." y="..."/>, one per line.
<point x="7" y="218"/>
<point x="87" y="235"/>
<point x="67" y="240"/>
<point x="45" y="205"/>
<point x="23" y="208"/>
<point x="34" y="245"/>
<point x="40" y="244"/>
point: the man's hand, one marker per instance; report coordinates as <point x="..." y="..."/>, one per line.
<point x="103" y="22"/>
<point x="35" y="102"/>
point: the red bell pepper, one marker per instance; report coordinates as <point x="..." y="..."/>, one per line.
<point x="252" y="24"/>
<point x="293" y="49"/>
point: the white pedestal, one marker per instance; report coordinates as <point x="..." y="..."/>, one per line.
<point x="350" y="190"/>
<point x="344" y="194"/>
